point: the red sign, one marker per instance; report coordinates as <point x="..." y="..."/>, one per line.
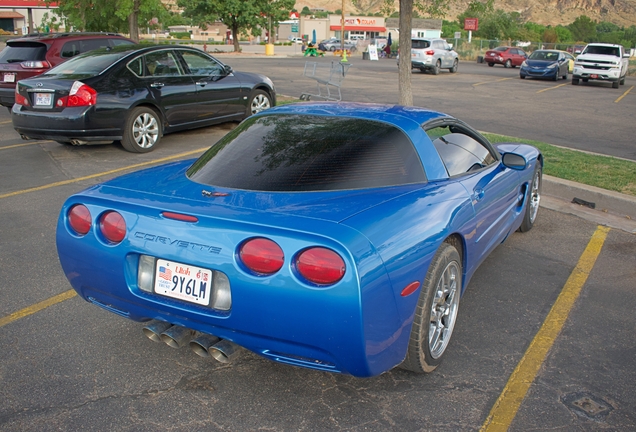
<point x="294" y="15"/>
<point x="471" y="24"/>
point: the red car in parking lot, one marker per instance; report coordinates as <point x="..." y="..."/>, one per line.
<point x="34" y="54"/>
<point x="507" y="56"/>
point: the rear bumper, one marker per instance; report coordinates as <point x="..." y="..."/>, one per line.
<point x="76" y="124"/>
<point x="7" y="97"/>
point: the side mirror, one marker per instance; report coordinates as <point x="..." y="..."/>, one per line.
<point x="228" y="69"/>
<point x="514" y="161"/>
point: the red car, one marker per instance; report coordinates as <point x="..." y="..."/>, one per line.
<point x="35" y="54"/>
<point x="507" y="56"/>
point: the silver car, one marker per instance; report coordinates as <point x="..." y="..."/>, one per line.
<point x="433" y="55"/>
<point x="335" y="44"/>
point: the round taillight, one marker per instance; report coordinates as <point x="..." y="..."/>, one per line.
<point x="79" y="218"/>
<point x="262" y="256"/>
<point x="321" y="266"/>
<point x="113" y="226"/>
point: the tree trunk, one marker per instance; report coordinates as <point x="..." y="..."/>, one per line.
<point x="404" y="64"/>
<point x="235" y="37"/>
<point x="133" y="22"/>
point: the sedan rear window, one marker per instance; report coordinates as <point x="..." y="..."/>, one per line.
<point x="91" y="63"/>
<point x="309" y="153"/>
<point x="19" y="52"/>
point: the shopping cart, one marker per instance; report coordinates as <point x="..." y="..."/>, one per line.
<point x="328" y="76"/>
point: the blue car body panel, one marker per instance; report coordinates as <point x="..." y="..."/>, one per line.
<point x="386" y="236"/>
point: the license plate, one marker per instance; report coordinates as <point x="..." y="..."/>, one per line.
<point x="43" y="99"/>
<point x="9" y="77"/>
<point x="594" y="76"/>
<point x="183" y="282"/>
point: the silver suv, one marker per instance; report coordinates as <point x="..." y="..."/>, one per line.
<point x="433" y="55"/>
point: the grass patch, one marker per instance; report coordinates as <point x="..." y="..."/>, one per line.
<point x="605" y="172"/>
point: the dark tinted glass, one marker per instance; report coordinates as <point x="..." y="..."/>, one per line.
<point x="19" y="52"/>
<point x="91" y="63"/>
<point x="309" y="153"/>
<point x="420" y="44"/>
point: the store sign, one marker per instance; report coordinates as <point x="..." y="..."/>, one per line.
<point x="360" y="21"/>
<point x="471" y="24"/>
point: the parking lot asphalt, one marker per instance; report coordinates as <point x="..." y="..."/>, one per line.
<point x="548" y="319"/>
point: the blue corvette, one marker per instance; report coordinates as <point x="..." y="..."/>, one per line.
<point x="333" y="236"/>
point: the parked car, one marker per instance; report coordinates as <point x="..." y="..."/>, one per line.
<point x="333" y="236"/>
<point x="296" y="40"/>
<point x="550" y="64"/>
<point x="570" y="58"/>
<point x="432" y="55"/>
<point x="336" y="44"/>
<point x="507" y="56"/>
<point x="135" y="94"/>
<point x="34" y="54"/>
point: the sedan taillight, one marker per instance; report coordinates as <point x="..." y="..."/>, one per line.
<point x="19" y="99"/>
<point x="80" y="95"/>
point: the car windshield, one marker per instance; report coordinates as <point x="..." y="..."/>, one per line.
<point x="309" y="153"/>
<point x="91" y="63"/>
<point x="603" y="50"/>
<point x="544" y="55"/>
<point x="17" y="52"/>
<point x="501" y="49"/>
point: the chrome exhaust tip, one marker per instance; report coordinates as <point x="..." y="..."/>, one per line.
<point x="154" y="329"/>
<point x="176" y="336"/>
<point x="224" y="351"/>
<point x="202" y="343"/>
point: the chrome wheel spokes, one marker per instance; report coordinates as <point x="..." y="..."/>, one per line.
<point x="444" y="310"/>
<point x="145" y="130"/>
<point x="260" y="103"/>
<point x="535" y="196"/>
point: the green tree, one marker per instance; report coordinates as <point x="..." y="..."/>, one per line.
<point x="583" y="29"/>
<point x="240" y="16"/>
<point x="564" y="34"/>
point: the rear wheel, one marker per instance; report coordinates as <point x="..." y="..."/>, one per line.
<point x="491" y="64"/>
<point x="455" y="66"/>
<point x="260" y="101"/>
<point x="142" y="130"/>
<point x="437" y="67"/>
<point x="534" y="198"/>
<point x="436" y="312"/>
<point x="508" y="64"/>
<point x="575" y="81"/>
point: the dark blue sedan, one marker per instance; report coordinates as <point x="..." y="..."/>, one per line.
<point x="134" y="95"/>
<point x="332" y="236"/>
<point x="550" y="64"/>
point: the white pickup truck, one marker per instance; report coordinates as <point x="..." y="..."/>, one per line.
<point x="600" y="61"/>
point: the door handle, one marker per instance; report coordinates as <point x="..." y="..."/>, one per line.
<point x="157" y="85"/>
<point x="478" y="194"/>
<point x="201" y="83"/>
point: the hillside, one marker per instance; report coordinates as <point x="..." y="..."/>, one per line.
<point x="546" y="12"/>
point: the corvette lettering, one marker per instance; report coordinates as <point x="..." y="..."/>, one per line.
<point x="176" y="242"/>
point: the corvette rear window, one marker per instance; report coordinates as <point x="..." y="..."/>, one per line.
<point x="309" y="153"/>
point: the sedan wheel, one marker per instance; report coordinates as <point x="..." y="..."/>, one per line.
<point x="436" y="312"/>
<point x="142" y="130"/>
<point x="491" y="64"/>
<point x="534" y="198"/>
<point x="455" y="66"/>
<point x="259" y="101"/>
<point x="508" y="64"/>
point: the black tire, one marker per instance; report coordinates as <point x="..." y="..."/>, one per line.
<point x="332" y="48"/>
<point x="259" y="101"/>
<point x="622" y="81"/>
<point x="491" y="64"/>
<point x="508" y="64"/>
<point x="522" y="76"/>
<point x="142" y="131"/>
<point x="436" y="311"/>
<point x="575" y="81"/>
<point x="533" y="200"/>
<point x="423" y="70"/>
<point x="614" y="84"/>
<point x="455" y="66"/>
<point x="437" y="67"/>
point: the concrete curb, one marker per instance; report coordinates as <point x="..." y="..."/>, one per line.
<point x="611" y="208"/>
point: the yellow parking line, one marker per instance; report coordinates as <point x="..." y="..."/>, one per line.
<point x="624" y="94"/>
<point x="488" y="82"/>
<point x="5" y="122"/>
<point x="505" y="409"/>
<point x="22" y="145"/>
<point x="552" y="88"/>
<point x="37" y="307"/>
<point x="105" y="173"/>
